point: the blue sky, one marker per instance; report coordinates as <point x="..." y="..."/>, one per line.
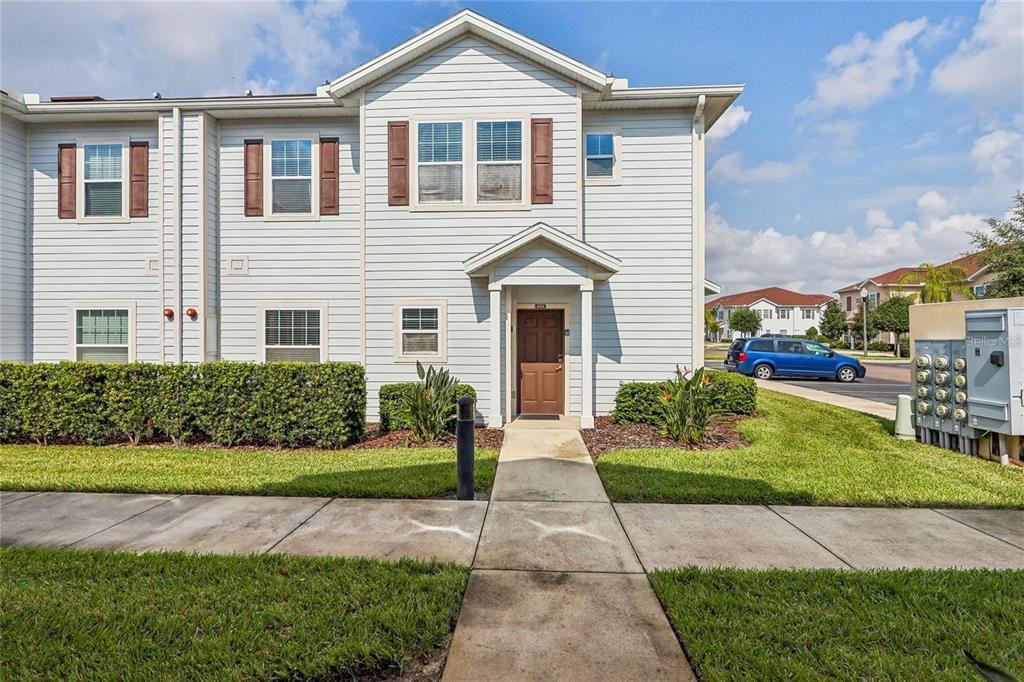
<point x="870" y="136"/>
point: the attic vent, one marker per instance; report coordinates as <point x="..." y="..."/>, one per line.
<point x="77" y="98"/>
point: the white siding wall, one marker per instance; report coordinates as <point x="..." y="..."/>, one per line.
<point x="209" y="309"/>
<point x="643" y="314"/>
<point x="14" y="270"/>
<point x="90" y="261"/>
<point x="412" y="254"/>
<point x="289" y="260"/>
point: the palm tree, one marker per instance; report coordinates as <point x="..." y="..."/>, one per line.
<point x="711" y="326"/>
<point x="939" y="282"/>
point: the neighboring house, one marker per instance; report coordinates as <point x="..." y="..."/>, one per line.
<point x="907" y="282"/>
<point x="781" y="311"/>
<point x="470" y="198"/>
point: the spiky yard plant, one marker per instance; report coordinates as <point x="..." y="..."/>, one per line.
<point x="431" y="403"/>
<point x="689" y="407"/>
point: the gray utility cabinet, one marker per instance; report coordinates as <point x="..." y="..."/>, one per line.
<point x="995" y="370"/>
<point x="940" y="387"/>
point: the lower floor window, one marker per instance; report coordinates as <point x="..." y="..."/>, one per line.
<point x="292" y="335"/>
<point x="101" y="335"/>
<point x="420" y="331"/>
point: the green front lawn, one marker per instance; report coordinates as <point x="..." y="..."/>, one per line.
<point x="399" y="472"/>
<point x="845" y="625"/>
<point x="71" y="615"/>
<point x="804" y="452"/>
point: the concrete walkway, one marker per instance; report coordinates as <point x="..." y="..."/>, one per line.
<point x="849" y="402"/>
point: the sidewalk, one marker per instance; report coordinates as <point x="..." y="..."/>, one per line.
<point x="849" y="402"/>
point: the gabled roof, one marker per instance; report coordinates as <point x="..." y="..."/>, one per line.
<point x="476" y="265"/>
<point x="888" y="279"/>
<point x="776" y="295"/>
<point x="465" y="23"/>
<point x="973" y="264"/>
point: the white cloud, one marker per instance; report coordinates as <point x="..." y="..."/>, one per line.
<point x="131" y="49"/>
<point x="922" y="141"/>
<point x="863" y="72"/>
<point x="998" y="152"/>
<point x="731" y="168"/>
<point x="990" y="63"/>
<point x="749" y="258"/>
<point x="729" y="122"/>
<point x="877" y="218"/>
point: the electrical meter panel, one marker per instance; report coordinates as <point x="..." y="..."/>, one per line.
<point x="995" y="370"/>
<point x="941" y="393"/>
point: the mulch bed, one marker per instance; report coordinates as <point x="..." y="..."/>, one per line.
<point x="607" y="436"/>
<point x="402" y="438"/>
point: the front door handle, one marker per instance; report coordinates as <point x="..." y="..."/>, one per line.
<point x="560" y="356"/>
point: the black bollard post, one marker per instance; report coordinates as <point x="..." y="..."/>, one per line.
<point x="464" y="449"/>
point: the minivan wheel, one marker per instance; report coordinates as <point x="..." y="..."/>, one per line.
<point x="763" y="372"/>
<point x="846" y="374"/>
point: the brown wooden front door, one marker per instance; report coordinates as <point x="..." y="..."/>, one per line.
<point x="540" y="352"/>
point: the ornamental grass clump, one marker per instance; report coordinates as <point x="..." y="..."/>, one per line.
<point x="689" y="407"/>
<point x="431" y="403"/>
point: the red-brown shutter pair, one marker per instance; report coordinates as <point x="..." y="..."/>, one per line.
<point x="329" y="176"/>
<point x="541" y="191"/>
<point x="138" y="180"/>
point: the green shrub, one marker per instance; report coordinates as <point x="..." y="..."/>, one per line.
<point x="812" y="332"/>
<point x="392" y="399"/>
<point x="286" y="404"/>
<point x="732" y="392"/>
<point x="642" y="402"/>
<point x="132" y="391"/>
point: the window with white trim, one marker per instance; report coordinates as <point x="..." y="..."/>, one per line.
<point x="103" y="180"/>
<point x="600" y="161"/>
<point x="808" y="313"/>
<point x="291" y="177"/>
<point x="292" y="335"/>
<point x="784" y="313"/>
<point x="439" y="162"/>
<point x="499" y="161"/>
<point x="102" y="335"/>
<point x="421" y="330"/>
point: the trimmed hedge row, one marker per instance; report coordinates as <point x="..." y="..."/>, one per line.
<point x="639" y="402"/>
<point x="393" y="414"/>
<point x="287" y="404"/>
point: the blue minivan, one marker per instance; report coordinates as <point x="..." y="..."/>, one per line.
<point x="766" y="357"/>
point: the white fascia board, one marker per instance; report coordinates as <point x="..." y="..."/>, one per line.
<point x="711" y="287"/>
<point x="582" y="250"/>
<point x="464" y="23"/>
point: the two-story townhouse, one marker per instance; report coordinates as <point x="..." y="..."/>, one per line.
<point x="782" y="311"/>
<point x="470" y="198"/>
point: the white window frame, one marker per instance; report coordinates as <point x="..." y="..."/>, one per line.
<point x="807" y="313"/>
<point x="784" y="313"/>
<point x="314" y="180"/>
<point x="441" y="357"/>
<point x="80" y="181"/>
<point x="469" y="190"/>
<point x="75" y="306"/>
<point x="261" y="324"/>
<point x="616" y="177"/>
<point x="523" y="187"/>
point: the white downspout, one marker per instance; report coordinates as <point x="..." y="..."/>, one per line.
<point x="178" y="222"/>
<point x="697" y="354"/>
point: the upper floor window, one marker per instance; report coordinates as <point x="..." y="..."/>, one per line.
<point x="765" y="313"/>
<point x="439" y="162"/>
<point x="808" y="313"/>
<point x="980" y="291"/>
<point x="601" y="162"/>
<point x="103" y="180"/>
<point x="499" y="161"/>
<point x="873" y="300"/>
<point x="291" y="177"/>
<point x="102" y="335"/>
<point x="849" y="303"/>
<point x="784" y="313"/>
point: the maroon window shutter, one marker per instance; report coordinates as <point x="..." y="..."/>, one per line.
<point x="398" y="163"/>
<point x="254" y="177"/>
<point x="541" y="166"/>
<point x="328" y="176"/>
<point x="139" y="180"/>
<point x="66" y="187"/>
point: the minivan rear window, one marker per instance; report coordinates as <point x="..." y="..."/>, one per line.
<point x="762" y="345"/>
<point x="738" y="344"/>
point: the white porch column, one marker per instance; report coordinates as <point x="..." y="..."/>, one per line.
<point x="495" y="418"/>
<point x="587" y="353"/>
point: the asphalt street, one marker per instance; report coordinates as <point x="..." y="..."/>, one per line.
<point x="883" y="383"/>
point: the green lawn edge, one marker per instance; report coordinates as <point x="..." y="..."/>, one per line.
<point x="803" y="452"/>
<point x="83" y="615"/>
<point x="844" y="625"/>
<point x="408" y="473"/>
